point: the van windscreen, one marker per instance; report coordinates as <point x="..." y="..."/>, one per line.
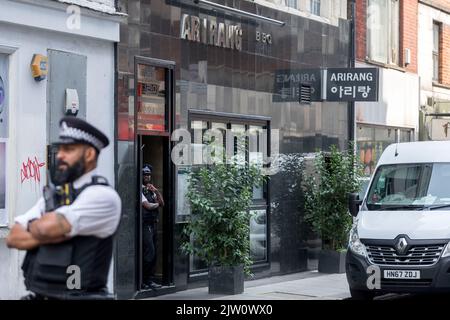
<point x="410" y="187"/>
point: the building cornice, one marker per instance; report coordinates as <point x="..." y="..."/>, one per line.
<point x="431" y="4"/>
<point x="52" y="16"/>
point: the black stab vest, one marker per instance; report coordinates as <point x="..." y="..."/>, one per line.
<point x="149" y="216"/>
<point x="45" y="268"/>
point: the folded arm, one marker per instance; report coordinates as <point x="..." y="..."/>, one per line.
<point x="150" y="206"/>
<point x="159" y="198"/>
<point x="21" y="239"/>
<point x="41" y="231"/>
<point x="34" y="228"/>
<point x="51" y="228"/>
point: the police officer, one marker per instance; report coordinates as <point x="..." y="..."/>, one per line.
<point x="69" y="248"/>
<point x="151" y="201"/>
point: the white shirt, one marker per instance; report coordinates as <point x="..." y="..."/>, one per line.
<point x="95" y="212"/>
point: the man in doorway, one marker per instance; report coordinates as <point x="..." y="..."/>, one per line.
<point x="70" y="232"/>
<point x="151" y="201"/>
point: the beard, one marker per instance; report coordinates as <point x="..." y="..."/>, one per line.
<point x="70" y="173"/>
<point x="147" y="180"/>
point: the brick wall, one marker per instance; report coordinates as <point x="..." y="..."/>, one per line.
<point x="361" y="29"/>
<point x="408" y="32"/>
<point x="444" y="66"/>
<point x="407" y="35"/>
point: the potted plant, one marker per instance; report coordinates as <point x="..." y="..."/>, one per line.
<point x="219" y="233"/>
<point x="336" y="173"/>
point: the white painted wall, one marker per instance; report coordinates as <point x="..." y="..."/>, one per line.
<point x="425" y="53"/>
<point x="28" y="107"/>
<point x="398" y="102"/>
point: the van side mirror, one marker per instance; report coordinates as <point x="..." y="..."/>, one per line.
<point x="354" y="203"/>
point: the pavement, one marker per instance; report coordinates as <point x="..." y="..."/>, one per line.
<point x="310" y="285"/>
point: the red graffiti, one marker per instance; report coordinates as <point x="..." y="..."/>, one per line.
<point x="31" y="170"/>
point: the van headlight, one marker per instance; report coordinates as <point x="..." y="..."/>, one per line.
<point x="354" y="244"/>
<point x="446" y="251"/>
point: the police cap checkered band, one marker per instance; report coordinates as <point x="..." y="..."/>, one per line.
<point x="147" y="169"/>
<point x="75" y="130"/>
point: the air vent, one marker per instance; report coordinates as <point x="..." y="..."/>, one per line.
<point x="305" y="93"/>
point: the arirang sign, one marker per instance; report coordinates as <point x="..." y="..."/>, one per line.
<point x="332" y="84"/>
<point x="288" y="83"/>
<point x="209" y="31"/>
<point x="358" y="84"/>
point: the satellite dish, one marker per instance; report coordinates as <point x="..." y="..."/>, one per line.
<point x="2" y="95"/>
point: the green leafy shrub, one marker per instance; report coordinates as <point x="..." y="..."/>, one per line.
<point x="336" y="173"/>
<point x="220" y="196"/>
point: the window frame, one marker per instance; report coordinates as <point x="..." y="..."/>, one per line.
<point x="257" y="204"/>
<point x="315" y="5"/>
<point x="397" y="132"/>
<point x="5" y="215"/>
<point x="388" y="33"/>
<point x="436" y="55"/>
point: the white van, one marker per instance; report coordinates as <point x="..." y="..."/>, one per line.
<point x="402" y="226"/>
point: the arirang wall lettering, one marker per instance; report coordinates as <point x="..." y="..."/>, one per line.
<point x="211" y="32"/>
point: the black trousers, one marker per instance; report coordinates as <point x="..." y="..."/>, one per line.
<point x="149" y="242"/>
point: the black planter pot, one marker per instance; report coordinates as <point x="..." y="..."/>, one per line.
<point x="226" y="280"/>
<point x="331" y="261"/>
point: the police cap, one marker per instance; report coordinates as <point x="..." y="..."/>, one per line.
<point x="75" y="130"/>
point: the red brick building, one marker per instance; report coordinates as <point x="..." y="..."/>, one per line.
<point x="434" y="68"/>
<point x="386" y="37"/>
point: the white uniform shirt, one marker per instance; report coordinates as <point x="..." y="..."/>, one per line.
<point x="95" y="212"/>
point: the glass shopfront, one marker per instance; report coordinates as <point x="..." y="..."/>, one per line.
<point x="172" y="77"/>
<point x="250" y="141"/>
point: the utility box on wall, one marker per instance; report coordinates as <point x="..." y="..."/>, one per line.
<point x="66" y="71"/>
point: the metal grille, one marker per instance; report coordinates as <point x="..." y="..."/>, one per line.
<point x="415" y="256"/>
<point x="305" y="93"/>
<point x="406" y="283"/>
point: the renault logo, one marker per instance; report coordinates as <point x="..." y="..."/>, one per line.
<point x="401" y="246"/>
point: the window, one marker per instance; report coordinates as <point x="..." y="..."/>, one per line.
<point x="409" y="186"/>
<point x="436" y="51"/>
<point x="249" y="142"/>
<point x="151" y="98"/>
<point x="404" y="135"/>
<point x="372" y="140"/>
<point x="383" y="31"/>
<point x="256" y="155"/>
<point x="315" y="7"/>
<point x="292" y="4"/>
<point x="258" y="235"/>
<point x="3" y="135"/>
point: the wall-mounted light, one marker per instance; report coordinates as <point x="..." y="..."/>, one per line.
<point x="239" y="12"/>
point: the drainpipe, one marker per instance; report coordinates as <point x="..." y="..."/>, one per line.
<point x="352" y="57"/>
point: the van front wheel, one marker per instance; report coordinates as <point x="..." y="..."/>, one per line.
<point x="362" y="294"/>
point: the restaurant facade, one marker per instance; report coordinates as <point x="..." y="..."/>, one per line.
<point x="243" y="67"/>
